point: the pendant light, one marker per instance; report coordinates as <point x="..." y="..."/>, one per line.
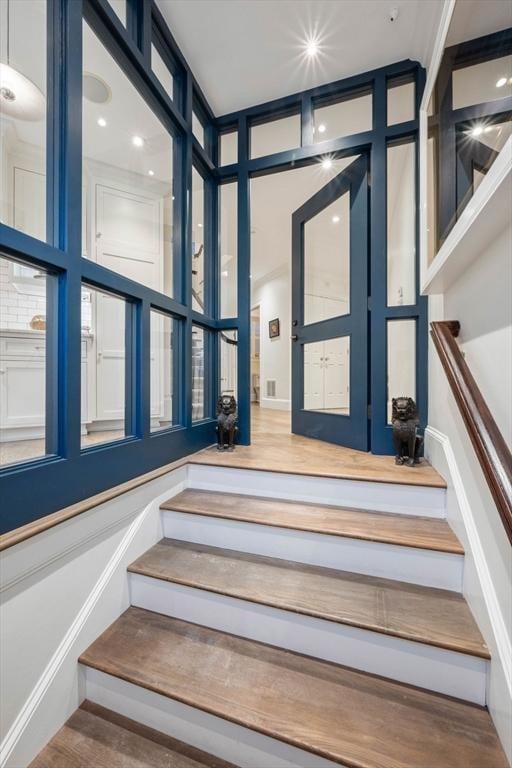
<point x="19" y="97"/>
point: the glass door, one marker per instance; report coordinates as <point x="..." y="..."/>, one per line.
<point x="330" y="311"/>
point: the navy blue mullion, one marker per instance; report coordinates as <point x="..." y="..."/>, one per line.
<point x="244" y="285"/>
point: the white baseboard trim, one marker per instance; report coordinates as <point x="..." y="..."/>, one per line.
<point x="222" y="738"/>
<point x="383" y="497"/>
<point x="416" y="566"/>
<point x="275" y="403"/>
<point x="419" y="664"/>
<point x="497" y="622"/>
<point x="21" y="725"/>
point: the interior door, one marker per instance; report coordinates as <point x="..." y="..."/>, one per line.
<point x="330" y="311"/>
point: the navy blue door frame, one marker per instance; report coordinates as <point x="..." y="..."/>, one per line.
<point x="350" y="429"/>
<point x="68" y="474"/>
<point x="374" y="143"/>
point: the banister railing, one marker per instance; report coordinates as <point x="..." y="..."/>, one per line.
<point x="491" y="449"/>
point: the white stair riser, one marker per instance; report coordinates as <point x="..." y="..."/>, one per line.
<point x="426" y="666"/>
<point x="416" y="566"/>
<point x="383" y="497"/>
<point x="219" y="737"/>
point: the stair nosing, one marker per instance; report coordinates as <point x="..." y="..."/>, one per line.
<point x="475" y="653"/>
<point x="445" y="549"/>
<point x="439" y="485"/>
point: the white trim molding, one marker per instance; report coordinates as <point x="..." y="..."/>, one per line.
<point x="497" y="622"/>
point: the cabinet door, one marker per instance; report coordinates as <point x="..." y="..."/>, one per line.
<point x="30" y="202"/>
<point x="110" y="354"/>
<point x="129" y="234"/>
<point x="313" y="376"/>
<point x="336" y="374"/>
<point x="22" y="393"/>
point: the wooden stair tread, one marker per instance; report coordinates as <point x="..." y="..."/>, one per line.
<point x="95" y="737"/>
<point x="434" y="616"/>
<point x="404" y="530"/>
<point x="350" y="717"/>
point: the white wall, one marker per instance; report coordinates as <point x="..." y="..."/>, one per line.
<point x="481" y="300"/>
<point x="58" y="591"/>
<point x="273" y="294"/>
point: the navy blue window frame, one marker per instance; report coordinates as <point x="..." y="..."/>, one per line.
<point x="68" y="474"/>
<point x="374" y="143"/>
<point x="455" y="161"/>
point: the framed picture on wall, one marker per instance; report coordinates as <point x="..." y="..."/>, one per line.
<point x="273" y="329"/>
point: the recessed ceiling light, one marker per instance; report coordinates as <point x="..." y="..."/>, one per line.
<point x="151" y="173"/>
<point x="312" y="47"/>
<point x="224" y="273"/>
<point x="321" y="128"/>
<point x="335" y="219"/>
<point x="477" y="130"/>
<point x="501" y="82"/>
<point x="200" y="225"/>
<point x="137" y="141"/>
<point x="173" y="197"/>
<point x="102" y="122"/>
<point x="326" y="163"/>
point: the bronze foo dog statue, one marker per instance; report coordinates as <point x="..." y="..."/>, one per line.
<point x="405" y="422"/>
<point x="227" y="417"/>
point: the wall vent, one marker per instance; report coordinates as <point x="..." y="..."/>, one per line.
<point x="271" y="387"/>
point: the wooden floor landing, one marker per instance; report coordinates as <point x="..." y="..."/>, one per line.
<point x="275" y="449"/>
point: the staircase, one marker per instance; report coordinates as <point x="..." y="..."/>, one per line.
<point x="274" y="633"/>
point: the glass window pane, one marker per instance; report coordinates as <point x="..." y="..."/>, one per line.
<point x="22" y="362"/>
<point x="401" y="224"/>
<point x="103" y="394"/>
<point x="128" y="175"/>
<point x="228" y="148"/>
<point x="161" y="70"/>
<point x="23" y="117"/>
<point x="345" y="117"/>
<point x="164" y="330"/>
<point x="327" y="262"/>
<point x="401" y="360"/>
<point x="198" y="129"/>
<point x="482" y="82"/>
<point x="198" y="275"/>
<point x="198" y="370"/>
<point x="400" y="102"/>
<point x="327" y="376"/>
<point x="228" y="249"/>
<point x="228" y="362"/>
<point x="275" y="136"/>
<point x="431" y="199"/>
<point x="119" y="7"/>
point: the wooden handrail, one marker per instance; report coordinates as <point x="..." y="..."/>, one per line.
<point x="491" y="449"/>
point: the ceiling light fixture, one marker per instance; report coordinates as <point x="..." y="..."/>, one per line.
<point x="326" y="163"/>
<point x="19" y="97"/>
<point x="335" y="219"/>
<point x="477" y="131"/>
<point x="200" y="226"/>
<point x="321" y="128"/>
<point x="102" y="122"/>
<point x="312" y="47"/>
<point x="137" y="141"/>
<point x="501" y="82"/>
<point x="151" y="173"/>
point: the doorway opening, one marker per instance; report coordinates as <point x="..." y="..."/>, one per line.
<point x="325" y="376"/>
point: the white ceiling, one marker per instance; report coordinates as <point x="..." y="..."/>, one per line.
<point x="245" y="52"/>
